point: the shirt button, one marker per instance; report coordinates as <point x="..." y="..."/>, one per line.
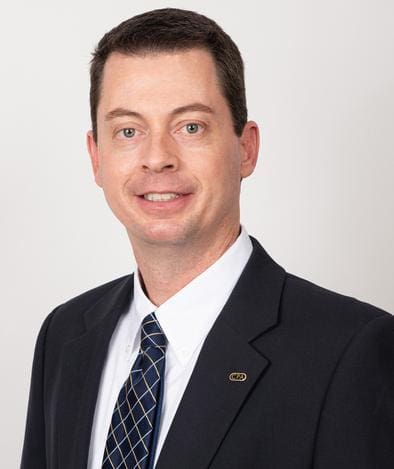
<point x="128" y="351"/>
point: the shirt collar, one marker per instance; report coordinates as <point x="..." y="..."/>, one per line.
<point x="187" y="317"/>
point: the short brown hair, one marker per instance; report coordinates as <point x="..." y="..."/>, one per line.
<point x="172" y="29"/>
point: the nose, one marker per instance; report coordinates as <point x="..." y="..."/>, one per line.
<point x="160" y="154"/>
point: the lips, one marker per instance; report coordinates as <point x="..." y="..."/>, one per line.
<point x="163" y="203"/>
<point x="161" y="196"/>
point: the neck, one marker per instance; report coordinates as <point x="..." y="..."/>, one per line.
<point x="167" y="269"/>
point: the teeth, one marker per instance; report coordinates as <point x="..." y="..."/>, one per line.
<point x="161" y="197"/>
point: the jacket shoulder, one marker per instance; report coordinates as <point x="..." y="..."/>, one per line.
<point x="67" y="319"/>
<point x="328" y="311"/>
<point x="89" y="297"/>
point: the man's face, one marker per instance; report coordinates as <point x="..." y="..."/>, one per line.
<point x="166" y="155"/>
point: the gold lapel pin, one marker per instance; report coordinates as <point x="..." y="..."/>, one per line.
<point x="237" y="376"/>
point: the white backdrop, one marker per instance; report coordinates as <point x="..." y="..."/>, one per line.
<point x="320" y="82"/>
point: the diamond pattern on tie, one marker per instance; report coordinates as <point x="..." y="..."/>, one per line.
<point x="136" y="413"/>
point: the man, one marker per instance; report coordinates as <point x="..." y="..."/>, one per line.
<point x="210" y="355"/>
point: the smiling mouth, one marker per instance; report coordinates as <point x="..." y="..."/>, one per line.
<point x="161" y="197"/>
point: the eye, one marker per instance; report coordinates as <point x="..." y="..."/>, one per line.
<point x="128" y="132"/>
<point x="192" y="128"/>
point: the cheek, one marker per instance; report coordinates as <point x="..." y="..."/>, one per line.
<point x="227" y="168"/>
<point x="115" y="169"/>
<point x="220" y="179"/>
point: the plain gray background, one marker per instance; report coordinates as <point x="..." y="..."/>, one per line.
<point x="320" y="82"/>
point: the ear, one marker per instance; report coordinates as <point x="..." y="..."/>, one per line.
<point x="94" y="157"/>
<point x="250" y="142"/>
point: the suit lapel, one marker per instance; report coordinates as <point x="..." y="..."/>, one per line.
<point x="82" y="363"/>
<point x="211" y="400"/>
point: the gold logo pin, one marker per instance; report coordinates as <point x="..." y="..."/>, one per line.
<point x="237" y="376"/>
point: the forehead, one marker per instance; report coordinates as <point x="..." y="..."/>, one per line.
<point x="161" y="79"/>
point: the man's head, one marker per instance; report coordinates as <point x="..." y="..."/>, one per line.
<point x="170" y="142"/>
<point x="171" y="30"/>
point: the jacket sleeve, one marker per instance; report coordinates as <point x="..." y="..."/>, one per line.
<point x="356" y="429"/>
<point x="34" y="451"/>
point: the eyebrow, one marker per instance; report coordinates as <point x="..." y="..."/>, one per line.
<point x="194" y="107"/>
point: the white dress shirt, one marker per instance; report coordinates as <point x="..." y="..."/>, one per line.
<point x="186" y="318"/>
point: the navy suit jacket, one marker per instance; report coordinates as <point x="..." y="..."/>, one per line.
<point x="318" y="394"/>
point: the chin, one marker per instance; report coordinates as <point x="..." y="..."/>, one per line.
<point x="162" y="233"/>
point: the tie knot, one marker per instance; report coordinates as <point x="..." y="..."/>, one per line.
<point x="152" y="334"/>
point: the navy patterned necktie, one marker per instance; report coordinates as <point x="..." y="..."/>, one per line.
<point x="133" y="431"/>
